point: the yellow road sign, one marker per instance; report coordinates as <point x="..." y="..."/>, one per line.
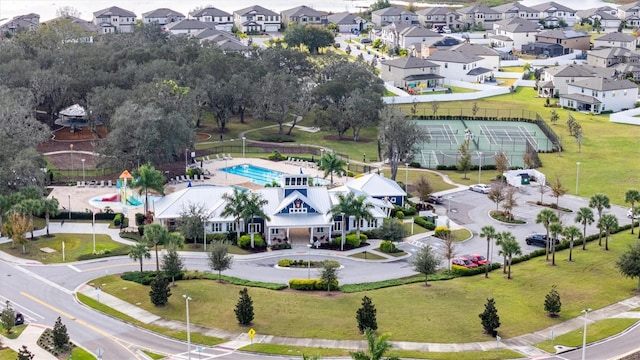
<point x="251" y="333"/>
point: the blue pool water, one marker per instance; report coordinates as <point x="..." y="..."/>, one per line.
<point x="256" y="174"/>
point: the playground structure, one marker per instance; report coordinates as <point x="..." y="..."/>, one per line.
<point x="124" y="196"/>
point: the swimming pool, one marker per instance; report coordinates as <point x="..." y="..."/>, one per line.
<point x="256" y="174"/>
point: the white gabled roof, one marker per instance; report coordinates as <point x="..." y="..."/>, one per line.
<point x="208" y="196"/>
<point x="376" y="185"/>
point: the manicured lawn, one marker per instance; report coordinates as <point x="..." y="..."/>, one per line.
<point x="368" y="256"/>
<point x="79" y="353"/>
<point x="8" y="354"/>
<point x="598" y="331"/>
<point x="453" y="304"/>
<point x="517" y="69"/>
<point x="461" y="234"/>
<point x="414" y="175"/>
<point x="417" y="229"/>
<point x="15" y="331"/>
<point x="75" y="246"/>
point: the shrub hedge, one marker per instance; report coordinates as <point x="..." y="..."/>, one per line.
<point x="388" y="247"/>
<point x="245" y="241"/>
<point x="311" y="284"/>
<point x="422" y="221"/>
<point x="82" y="215"/>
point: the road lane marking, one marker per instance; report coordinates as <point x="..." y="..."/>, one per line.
<point x="74" y="268"/>
<point x="44" y="280"/>
<point x="83" y="323"/>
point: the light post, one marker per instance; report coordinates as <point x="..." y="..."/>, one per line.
<point x="347" y="171"/>
<point x="480" y="167"/>
<point x="309" y="260"/>
<point x="321" y="157"/>
<point x="71" y="156"/>
<point x="406" y="179"/>
<point x="342" y="230"/>
<point x="69" y="206"/>
<point x="364" y="158"/>
<point x="187" y="299"/>
<point x="449" y="198"/>
<point x="83" y="179"/>
<point x="244" y="139"/>
<point x="584" y="333"/>
<point x="577" y="175"/>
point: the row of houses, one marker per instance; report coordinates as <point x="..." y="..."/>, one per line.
<point x="293" y="206"/>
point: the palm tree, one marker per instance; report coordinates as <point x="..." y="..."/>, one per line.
<point x="235" y="203"/>
<point x="331" y="163"/>
<point x="557" y="190"/>
<point x="146" y="178"/>
<point x="608" y="223"/>
<point x="156" y="234"/>
<point x="50" y="208"/>
<point x="546" y="217"/>
<point x="139" y="252"/>
<point x="376" y="347"/>
<point x="584" y="216"/>
<point x="490" y="233"/>
<point x="632" y="196"/>
<point x="350" y="205"/>
<point x="571" y="233"/>
<point x="599" y="202"/>
<point x="253" y="209"/>
<point x="508" y="248"/>
<point x="555" y="229"/>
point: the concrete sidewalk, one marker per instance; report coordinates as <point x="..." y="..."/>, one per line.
<point x="29" y="337"/>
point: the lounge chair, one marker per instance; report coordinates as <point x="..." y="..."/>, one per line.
<point x="229" y="156"/>
<point x="182" y="178"/>
<point x="109" y="183"/>
<point x="101" y="183"/>
<point x="79" y="183"/>
<point x="188" y="178"/>
<point x="218" y="157"/>
<point x="224" y="157"/>
<point x="207" y="159"/>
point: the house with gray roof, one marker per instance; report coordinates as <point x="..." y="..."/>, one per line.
<point x="402" y="35"/>
<point x="515" y="10"/>
<point x="412" y="72"/>
<point x="630" y="13"/>
<point x="616" y="39"/>
<point x="568" y="38"/>
<point x="425" y="48"/>
<point x="554" y="81"/>
<point x="598" y="94"/>
<point x="221" y="20"/>
<point x="26" y="22"/>
<point x="490" y="57"/>
<point x="478" y="14"/>
<point x="457" y="65"/>
<point x="348" y="22"/>
<point x="553" y="13"/>
<point x="513" y="33"/>
<point x="256" y="19"/>
<point x="224" y="40"/>
<point x="393" y="14"/>
<point x="114" y="20"/>
<point x="90" y="30"/>
<point x="161" y="16"/>
<point x="303" y="15"/>
<point x="607" y="16"/>
<point x="186" y="26"/>
<point x="436" y="17"/>
<point x="625" y="62"/>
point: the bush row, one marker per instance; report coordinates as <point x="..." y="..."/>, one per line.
<point x="463" y="271"/>
<point x="245" y="241"/>
<point x="82" y="215"/>
<point x="122" y="250"/>
<point x="388" y="247"/>
<point x="311" y="284"/>
<point x="351" y="241"/>
<point x="422" y="221"/>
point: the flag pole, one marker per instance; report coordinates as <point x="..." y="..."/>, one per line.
<point x="94" y="229"/>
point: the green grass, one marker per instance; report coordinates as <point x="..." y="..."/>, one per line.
<point x="597" y="331"/>
<point x="389" y="93"/>
<point x="521" y="297"/>
<point x="369" y="256"/>
<point x="417" y="229"/>
<point x="76" y="245"/>
<point x="414" y="175"/>
<point x="8" y="354"/>
<point x="517" y="69"/>
<point x="15" y="331"/>
<point x="460" y="234"/>
<point x="152" y="355"/>
<point x="79" y="353"/>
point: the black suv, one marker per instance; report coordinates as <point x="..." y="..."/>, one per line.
<point x="435" y="199"/>
<point x="19" y="319"/>
<point x="539" y="240"/>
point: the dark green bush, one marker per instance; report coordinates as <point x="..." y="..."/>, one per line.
<point x="303" y="284"/>
<point x="422" y="221"/>
<point x="415" y="164"/>
<point x="281" y="246"/>
<point x="245" y="241"/>
<point x="84" y="215"/>
<point x="463" y="271"/>
<point x="388" y="247"/>
<point x="276" y="156"/>
<point x="140" y="218"/>
<point x="400" y="215"/>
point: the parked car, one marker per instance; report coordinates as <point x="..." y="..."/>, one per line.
<point x="481" y="188"/>
<point x="477" y="259"/>
<point x="464" y="262"/>
<point x="19" y="319"/>
<point x="539" y="240"/>
<point x="435" y="199"/>
<point x="336" y="45"/>
<point x="630" y="213"/>
<point x="365" y="41"/>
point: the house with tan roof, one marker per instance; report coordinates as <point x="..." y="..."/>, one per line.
<point x="568" y="38"/>
<point x="115" y="20"/>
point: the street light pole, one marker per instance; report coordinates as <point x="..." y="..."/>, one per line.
<point x="187" y="299"/>
<point x="309" y="261"/>
<point x="577" y="175"/>
<point x="584" y="333"/>
<point x="480" y="167"/>
<point x="342" y="229"/>
<point x="406" y="179"/>
<point x="71" y="156"/>
<point x="244" y="139"/>
<point x="69" y="206"/>
<point x="83" y="179"/>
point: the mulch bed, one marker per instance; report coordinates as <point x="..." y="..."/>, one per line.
<point x="346" y="138"/>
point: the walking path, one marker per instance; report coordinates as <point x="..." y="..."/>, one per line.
<point x="523" y="344"/>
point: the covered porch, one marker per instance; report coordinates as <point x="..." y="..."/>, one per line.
<point x="581" y="102"/>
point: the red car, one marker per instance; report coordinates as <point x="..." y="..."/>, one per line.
<point x="477" y="259"/>
<point x="464" y="262"/>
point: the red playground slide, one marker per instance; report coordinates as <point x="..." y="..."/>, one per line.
<point x="110" y="198"/>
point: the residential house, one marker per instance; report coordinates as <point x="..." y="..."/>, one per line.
<point x="568" y="38"/>
<point x="552" y="14"/>
<point x="630" y="14"/>
<point x="411" y="72"/>
<point x="21" y="23"/>
<point x="616" y="39"/>
<point x="224" y="40"/>
<point x="425" y="48"/>
<point x="303" y="15"/>
<point x="89" y="29"/>
<point x="221" y="20"/>
<point x="161" y="16"/>
<point x="478" y="15"/>
<point x="393" y="14"/>
<point x="294" y="205"/>
<point x="186" y="26"/>
<point x="348" y="22"/>
<point x="516" y="10"/>
<point x="490" y="58"/>
<point x="600" y="94"/>
<point x="378" y="187"/>
<point x="114" y="20"/>
<point x="256" y="19"/>
<point x="606" y="16"/>
<point x="439" y="17"/>
<point x="625" y="62"/>
<point x="554" y="81"/>
<point x="402" y="36"/>
<point x="456" y="65"/>
<point x="542" y="49"/>
<point x="513" y="33"/>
